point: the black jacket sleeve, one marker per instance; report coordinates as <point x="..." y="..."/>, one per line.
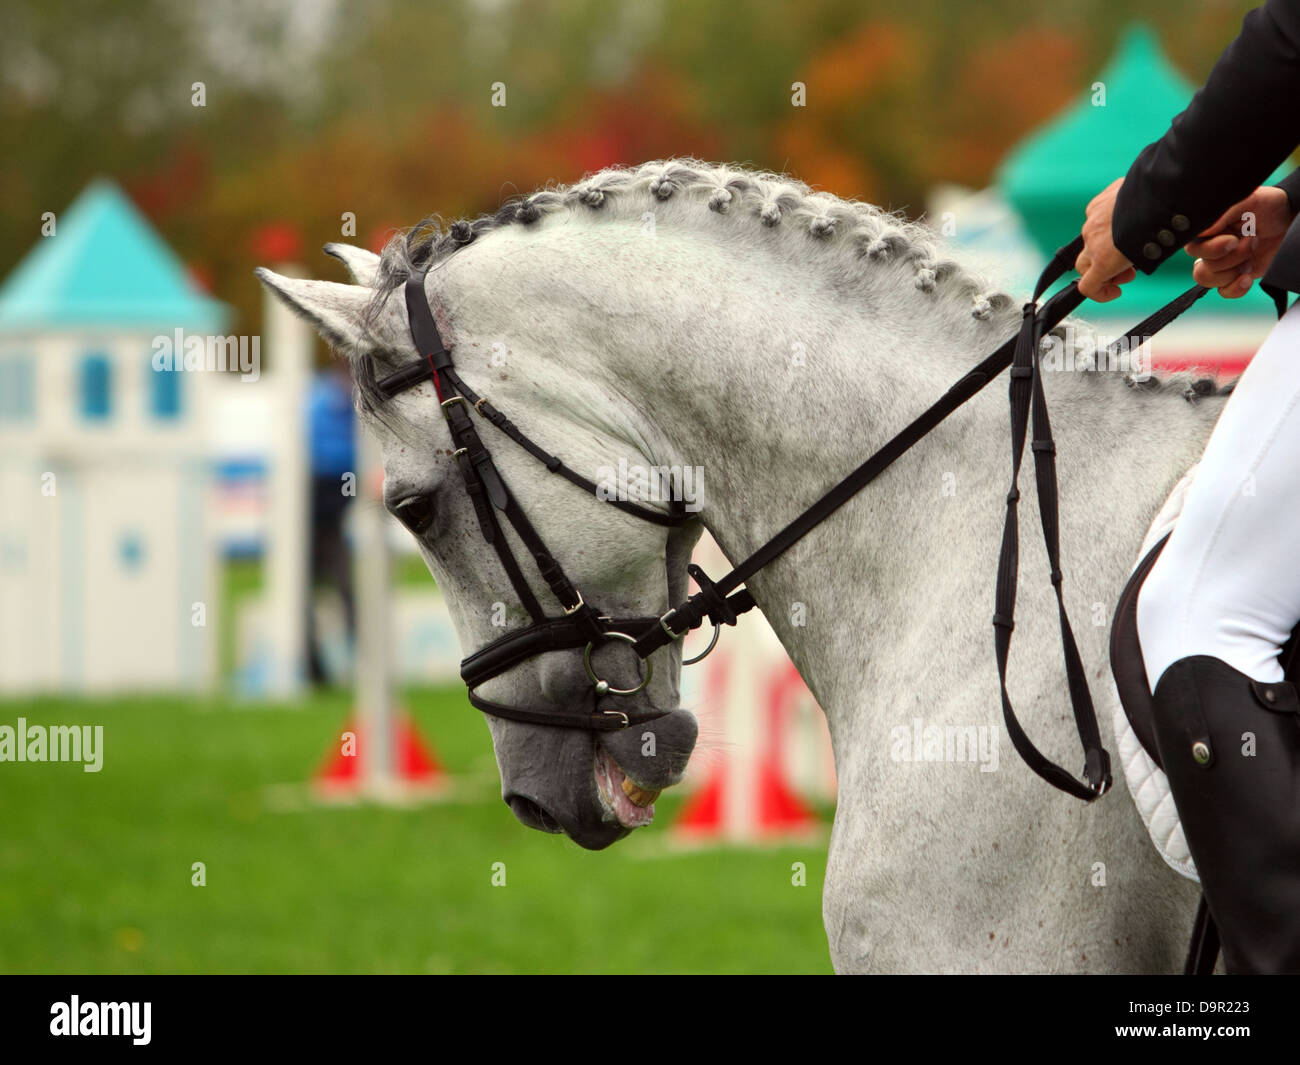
<point x="1291" y="186"/>
<point x="1240" y="125"/>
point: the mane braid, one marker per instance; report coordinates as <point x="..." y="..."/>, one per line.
<point x="772" y="200"/>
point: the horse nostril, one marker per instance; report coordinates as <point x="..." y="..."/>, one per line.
<point x="530" y="814"/>
<point x="415" y="512"/>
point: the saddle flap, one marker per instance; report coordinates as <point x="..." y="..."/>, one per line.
<point x="1126" y="664"/>
<point x="1280" y="698"/>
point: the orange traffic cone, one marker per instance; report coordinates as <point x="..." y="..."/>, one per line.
<point x="415" y="767"/>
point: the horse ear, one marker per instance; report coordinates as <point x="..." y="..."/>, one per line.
<point x="334" y="309"/>
<point x="363" y="265"/>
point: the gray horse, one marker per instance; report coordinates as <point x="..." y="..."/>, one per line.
<point x="681" y="314"/>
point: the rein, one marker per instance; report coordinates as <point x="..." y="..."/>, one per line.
<point x="719" y="603"/>
<point x="722" y="602"/>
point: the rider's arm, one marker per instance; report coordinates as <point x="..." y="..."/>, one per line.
<point x="1238" y="127"/>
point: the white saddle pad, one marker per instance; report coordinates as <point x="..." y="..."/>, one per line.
<point x="1146" y="781"/>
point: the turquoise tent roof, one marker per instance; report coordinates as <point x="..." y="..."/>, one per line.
<point x="104" y="267"/>
<point x="1051" y="175"/>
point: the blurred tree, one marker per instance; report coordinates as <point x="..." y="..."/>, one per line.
<point x="385" y="109"/>
<point x="997" y="98"/>
<point x="855" y="136"/>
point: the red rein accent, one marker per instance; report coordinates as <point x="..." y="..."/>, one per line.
<point x="437" y="383"/>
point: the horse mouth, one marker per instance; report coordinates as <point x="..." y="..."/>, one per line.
<point x="624" y="801"/>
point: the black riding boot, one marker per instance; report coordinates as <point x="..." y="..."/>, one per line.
<point x="1231" y="750"/>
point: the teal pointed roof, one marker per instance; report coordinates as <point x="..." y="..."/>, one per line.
<point x="105" y="267"/>
<point x="1052" y="174"/>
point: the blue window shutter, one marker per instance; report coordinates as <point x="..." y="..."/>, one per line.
<point x="96" y="386"/>
<point x="164" y="391"/>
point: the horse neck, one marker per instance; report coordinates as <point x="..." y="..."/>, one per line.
<point x="775" y="378"/>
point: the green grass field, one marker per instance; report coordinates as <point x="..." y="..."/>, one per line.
<point x="95" y="869"/>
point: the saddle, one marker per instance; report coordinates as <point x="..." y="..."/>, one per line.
<point x="1126" y="663"/>
<point x="1135" y="728"/>
<point x="1129" y="670"/>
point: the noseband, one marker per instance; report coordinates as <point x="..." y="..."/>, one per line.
<point x="581" y="625"/>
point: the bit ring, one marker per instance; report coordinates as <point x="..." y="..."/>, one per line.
<point x="713" y="642"/>
<point x="603" y="686"/>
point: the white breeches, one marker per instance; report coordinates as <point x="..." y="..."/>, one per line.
<point x="1228" y="581"/>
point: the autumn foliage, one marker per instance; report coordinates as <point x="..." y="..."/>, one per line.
<point x="386" y="112"/>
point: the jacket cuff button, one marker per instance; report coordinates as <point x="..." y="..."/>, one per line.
<point x="1180" y="223"/>
<point x="1151" y="250"/>
<point x="1166" y="238"/>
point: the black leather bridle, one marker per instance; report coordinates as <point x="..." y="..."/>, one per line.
<point x="581" y="625"/>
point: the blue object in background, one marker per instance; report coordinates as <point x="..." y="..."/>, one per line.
<point x="131" y="551"/>
<point x="331" y="425"/>
<point x="96" y="386"/>
<point x="164" y="391"/>
<point x="106" y="268"/>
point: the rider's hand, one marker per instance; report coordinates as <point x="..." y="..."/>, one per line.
<point x="1102" y="266"/>
<point x="1230" y="262"/>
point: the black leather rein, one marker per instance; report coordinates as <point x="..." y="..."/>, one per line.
<point x="722" y="602"/>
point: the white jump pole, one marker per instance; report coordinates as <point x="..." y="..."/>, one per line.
<point x="285" y="567"/>
<point x="374" y="672"/>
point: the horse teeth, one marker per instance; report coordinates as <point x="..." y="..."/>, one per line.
<point x="638" y="795"/>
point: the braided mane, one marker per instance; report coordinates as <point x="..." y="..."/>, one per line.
<point x="877" y="236"/>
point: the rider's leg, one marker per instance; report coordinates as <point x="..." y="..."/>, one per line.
<point x="1228" y="581"/>
<point x="1215" y="610"/>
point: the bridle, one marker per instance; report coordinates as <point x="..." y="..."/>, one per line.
<point x="582" y="625"/>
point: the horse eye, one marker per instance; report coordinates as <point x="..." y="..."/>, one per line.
<point x="415" y="512"/>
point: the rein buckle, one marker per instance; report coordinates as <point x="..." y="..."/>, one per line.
<point x="669" y="632"/>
